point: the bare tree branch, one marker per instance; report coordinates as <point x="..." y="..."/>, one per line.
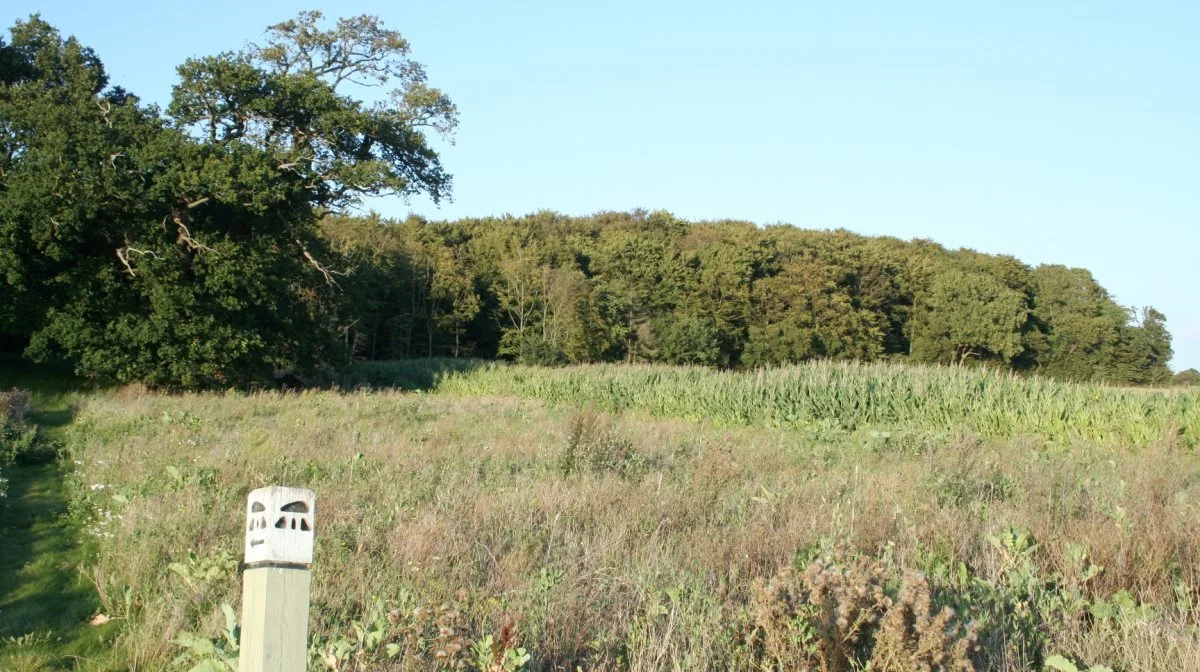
<point x="124" y="252"/>
<point x="105" y="108"/>
<point x="185" y="237"/>
<point x="291" y="165"/>
<point x="322" y="269"/>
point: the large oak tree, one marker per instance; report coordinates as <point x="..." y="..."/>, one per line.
<point x="183" y="249"/>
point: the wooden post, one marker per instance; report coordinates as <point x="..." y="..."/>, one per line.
<point x="275" y="584"/>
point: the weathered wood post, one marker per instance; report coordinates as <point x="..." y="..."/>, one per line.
<point x="275" y="584"/>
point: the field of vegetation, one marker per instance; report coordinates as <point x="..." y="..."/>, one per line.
<point x="471" y="516"/>
<point x="811" y="505"/>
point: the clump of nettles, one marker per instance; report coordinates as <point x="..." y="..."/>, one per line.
<point x="14" y="405"/>
<point x="16" y="437"/>
<point x="422" y="638"/>
<point x="836" y="616"/>
<point x="419" y="638"/>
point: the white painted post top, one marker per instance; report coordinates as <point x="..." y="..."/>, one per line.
<point x="279" y="525"/>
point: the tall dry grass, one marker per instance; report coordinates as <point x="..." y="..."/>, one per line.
<point x="604" y="541"/>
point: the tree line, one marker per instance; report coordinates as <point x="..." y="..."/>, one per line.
<point x="206" y="244"/>
<point x="649" y="287"/>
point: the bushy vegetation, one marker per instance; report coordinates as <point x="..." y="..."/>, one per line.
<point x="473" y="527"/>
<point x="1186" y="378"/>
<point x="17" y="439"/>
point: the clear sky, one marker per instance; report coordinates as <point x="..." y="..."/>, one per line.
<point x="1058" y="132"/>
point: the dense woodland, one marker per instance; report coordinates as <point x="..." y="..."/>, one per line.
<point x="203" y="244"/>
<point x="640" y="286"/>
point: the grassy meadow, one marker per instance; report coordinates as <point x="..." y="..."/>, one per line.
<point x="486" y="517"/>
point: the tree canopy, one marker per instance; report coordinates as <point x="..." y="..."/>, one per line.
<point x="639" y="286"/>
<point x="183" y="248"/>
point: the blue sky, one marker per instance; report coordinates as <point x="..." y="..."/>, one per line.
<point x="1058" y="132"/>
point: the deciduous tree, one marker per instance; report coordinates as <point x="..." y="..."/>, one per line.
<point x="185" y="251"/>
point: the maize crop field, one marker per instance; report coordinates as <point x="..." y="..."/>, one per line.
<point x="845" y="396"/>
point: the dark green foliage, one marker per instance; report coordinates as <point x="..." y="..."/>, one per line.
<point x="1142" y="354"/>
<point x="1083" y="325"/>
<point x="531" y="347"/>
<point x="805" y="311"/>
<point x="549" y="289"/>
<point x="184" y="250"/>
<point x="692" y="339"/>
<point x="968" y="315"/>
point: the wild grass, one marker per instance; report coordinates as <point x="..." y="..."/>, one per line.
<point x="609" y="518"/>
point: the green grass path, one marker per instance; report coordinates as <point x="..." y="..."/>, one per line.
<point x="45" y="600"/>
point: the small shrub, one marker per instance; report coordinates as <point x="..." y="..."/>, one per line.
<point x="220" y="655"/>
<point x="971" y="486"/>
<point x="18" y="444"/>
<point x="594" y="445"/>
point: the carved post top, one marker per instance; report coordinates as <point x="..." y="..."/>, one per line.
<point x="280" y="525"/>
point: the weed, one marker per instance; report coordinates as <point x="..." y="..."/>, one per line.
<point x="914" y="637"/>
<point x="593" y="444"/>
